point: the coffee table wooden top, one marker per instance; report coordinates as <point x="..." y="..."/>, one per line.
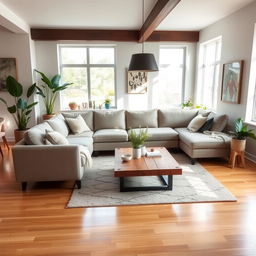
<point x="146" y="166"/>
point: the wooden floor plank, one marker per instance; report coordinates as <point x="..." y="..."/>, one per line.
<point x="36" y="222"/>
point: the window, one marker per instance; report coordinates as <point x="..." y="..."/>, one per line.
<point x="171" y="76"/>
<point x="208" y="73"/>
<point x="92" y="72"/>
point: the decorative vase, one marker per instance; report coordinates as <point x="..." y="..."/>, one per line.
<point x="47" y="117"/>
<point x="238" y="145"/>
<point x="136" y="153"/>
<point x="143" y="151"/>
<point x="107" y="105"/>
<point x="19" y="135"/>
<point x="73" y="106"/>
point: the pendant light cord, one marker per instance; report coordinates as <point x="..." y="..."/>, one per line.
<point x="142" y="25"/>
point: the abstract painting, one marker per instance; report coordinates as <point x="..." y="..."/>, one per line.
<point x="231" y="82"/>
<point x="7" y="68"/>
<point x="137" y="82"/>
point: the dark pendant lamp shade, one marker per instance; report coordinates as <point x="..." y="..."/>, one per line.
<point x="143" y="62"/>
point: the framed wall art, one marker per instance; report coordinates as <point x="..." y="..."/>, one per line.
<point x="137" y="82"/>
<point x="7" y="68"/>
<point x="232" y="81"/>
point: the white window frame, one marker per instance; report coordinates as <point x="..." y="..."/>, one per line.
<point x="183" y="66"/>
<point x="201" y="68"/>
<point x="87" y="66"/>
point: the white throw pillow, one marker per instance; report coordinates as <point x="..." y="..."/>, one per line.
<point x="77" y="125"/>
<point x="196" y="123"/>
<point x="55" y="138"/>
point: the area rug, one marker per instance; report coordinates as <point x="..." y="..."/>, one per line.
<point x="101" y="188"/>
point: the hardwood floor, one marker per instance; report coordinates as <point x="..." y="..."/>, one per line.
<point x="36" y="222"/>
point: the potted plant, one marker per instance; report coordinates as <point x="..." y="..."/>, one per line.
<point x="240" y="134"/>
<point x="138" y="139"/>
<point x="21" y="109"/>
<point x="73" y="105"/>
<point x="107" y="103"/>
<point x="49" y="92"/>
<point x="187" y="104"/>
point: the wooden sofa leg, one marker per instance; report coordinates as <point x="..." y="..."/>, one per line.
<point x="24" y="185"/>
<point x="193" y="161"/>
<point x="78" y="184"/>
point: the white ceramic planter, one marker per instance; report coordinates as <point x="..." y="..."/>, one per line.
<point x="136" y="153"/>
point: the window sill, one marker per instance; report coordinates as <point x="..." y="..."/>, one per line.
<point x="252" y="123"/>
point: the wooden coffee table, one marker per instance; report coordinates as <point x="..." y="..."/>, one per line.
<point x="164" y="166"/>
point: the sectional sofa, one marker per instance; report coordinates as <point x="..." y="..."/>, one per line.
<point x="35" y="161"/>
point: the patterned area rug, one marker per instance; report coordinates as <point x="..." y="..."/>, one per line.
<point x="101" y="188"/>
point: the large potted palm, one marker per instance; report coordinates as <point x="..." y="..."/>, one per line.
<point x="49" y="92"/>
<point x="21" y="109"/>
<point x="239" y="135"/>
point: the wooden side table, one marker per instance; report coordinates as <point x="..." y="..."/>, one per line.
<point x="236" y="156"/>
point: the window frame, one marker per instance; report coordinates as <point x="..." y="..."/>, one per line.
<point x="202" y="67"/>
<point x="183" y="66"/>
<point x="87" y="66"/>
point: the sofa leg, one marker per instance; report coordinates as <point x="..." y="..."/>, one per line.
<point x="95" y="153"/>
<point x="78" y="184"/>
<point x="24" y="185"/>
<point x="193" y="161"/>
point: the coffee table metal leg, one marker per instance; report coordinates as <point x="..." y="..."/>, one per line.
<point x="122" y="188"/>
<point x="167" y="185"/>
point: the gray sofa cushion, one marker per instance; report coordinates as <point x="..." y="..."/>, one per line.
<point x="219" y="122"/>
<point x="196" y="140"/>
<point x="109" y="119"/>
<point x="110" y="135"/>
<point x="58" y="124"/>
<point x="85" y="141"/>
<point x="87" y="115"/>
<point x="146" y="118"/>
<point x="35" y="135"/>
<point x="163" y="133"/>
<point x="175" y="118"/>
<point x="79" y="135"/>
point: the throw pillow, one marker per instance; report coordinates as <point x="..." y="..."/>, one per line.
<point x="77" y="125"/>
<point x="58" y="124"/>
<point x="55" y="138"/>
<point x="196" y="123"/>
<point x="207" y="125"/>
<point x="219" y="122"/>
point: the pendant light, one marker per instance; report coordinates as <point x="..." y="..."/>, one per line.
<point x="143" y="61"/>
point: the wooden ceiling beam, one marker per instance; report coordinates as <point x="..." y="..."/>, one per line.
<point x="111" y="35"/>
<point x="84" y="34"/>
<point x="159" y="12"/>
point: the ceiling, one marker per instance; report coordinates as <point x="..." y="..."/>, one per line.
<point x="119" y="14"/>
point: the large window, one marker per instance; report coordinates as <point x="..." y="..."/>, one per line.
<point x="208" y="73"/>
<point x="92" y="72"/>
<point x="171" y="76"/>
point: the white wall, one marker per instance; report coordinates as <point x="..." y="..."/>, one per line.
<point x="47" y="62"/>
<point x="237" y="36"/>
<point x="16" y="46"/>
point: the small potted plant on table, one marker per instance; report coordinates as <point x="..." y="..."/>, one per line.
<point x="21" y="109"/>
<point x="138" y="140"/>
<point x="73" y="105"/>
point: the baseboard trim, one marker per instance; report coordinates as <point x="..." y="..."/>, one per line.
<point x="250" y="156"/>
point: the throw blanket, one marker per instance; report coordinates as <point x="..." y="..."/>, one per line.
<point x="86" y="158"/>
<point x="218" y="135"/>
